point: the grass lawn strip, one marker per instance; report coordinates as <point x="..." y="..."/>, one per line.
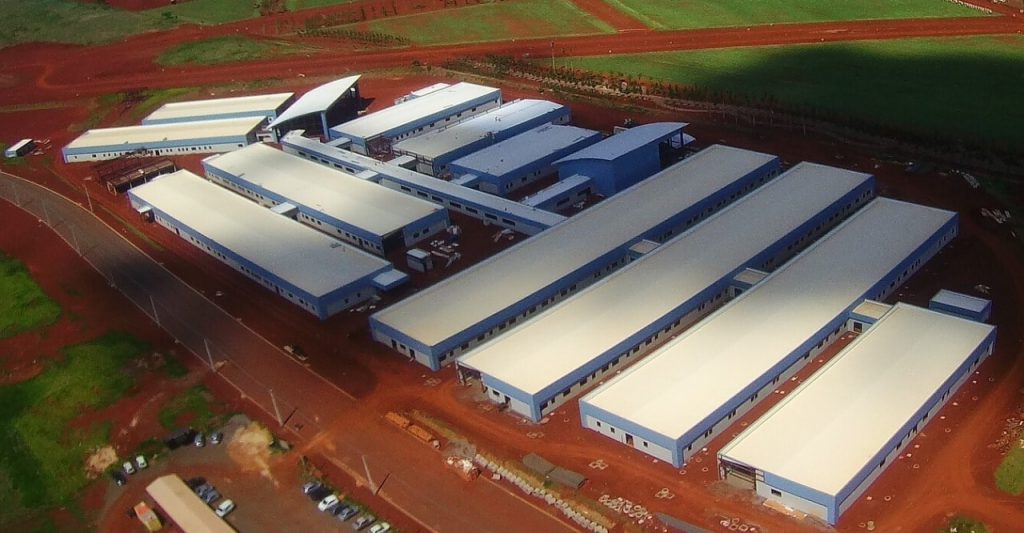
<point x="692" y="14"/>
<point x="1010" y="473"/>
<point x="226" y="50"/>
<point x="953" y="88"/>
<point x="41" y="452"/>
<point x="490" y="22"/>
<point x="24" y="305"/>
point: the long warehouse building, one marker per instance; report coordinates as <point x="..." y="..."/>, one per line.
<point x="545" y="362"/>
<point x="374" y="133"/>
<point x="447" y="319"/>
<point x="320" y="274"/>
<point x="178" y="138"/>
<point x="821" y="447"/>
<point x="480" y="205"/>
<point x="363" y="213"/>
<point x="675" y="401"/>
<point x="266" y="106"/>
<point x="434" y="150"/>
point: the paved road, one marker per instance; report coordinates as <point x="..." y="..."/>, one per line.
<point x="411" y="475"/>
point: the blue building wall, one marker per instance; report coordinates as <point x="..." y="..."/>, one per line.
<point x="175" y="147"/>
<point x="961" y="312"/>
<point x="620" y="173"/>
<point x="442" y="352"/>
<point x="321" y="306"/>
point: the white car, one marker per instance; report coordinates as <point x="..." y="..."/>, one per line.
<point x="380" y="527"/>
<point x="224" y="507"/>
<point x="141" y="462"/>
<point x="328" y="502"/>
<point x="128" y="468"/>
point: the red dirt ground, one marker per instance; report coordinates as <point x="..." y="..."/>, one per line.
<point x="616" y="18"/>
<point x="953" y="477"/>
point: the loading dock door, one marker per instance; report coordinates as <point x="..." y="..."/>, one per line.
<point x="740" y="476"/>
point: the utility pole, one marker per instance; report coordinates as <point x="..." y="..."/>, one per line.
<point x="87" y="197"/>
<point x="209" y="354"/>
<point x="277" y="411"/>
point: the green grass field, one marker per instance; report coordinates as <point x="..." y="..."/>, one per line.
<point x="296" y="5"/>
<point x="24" y="305"/>
<point x="227" y="50"/>
<point x="490" y="22"/>
<point x="955" y="88"/>
<point x="690" y="14"/>
<point x="193" y="404"/>
<point x="41" y="452"/>
<point x="964" y="524"/>
<point x="1010" y="474"/>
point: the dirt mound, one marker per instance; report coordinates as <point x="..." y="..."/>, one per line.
<point x="249" y="447"/>
<point x="99" y="460"/>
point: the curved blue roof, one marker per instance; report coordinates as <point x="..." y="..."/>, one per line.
<point x="623" y="143"/>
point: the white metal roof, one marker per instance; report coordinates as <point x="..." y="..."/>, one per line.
<point x="177" y="131"/>
<point x="220" y="106"/>
<point x="184" y="507"/>
<point x="561" y="341"/>
<point x="436" y="143"/>
<point x="389" y="118"/>
<point x="296" y="253"/>
<point x="960" y="300"/>
<point x="461" y="301"/>
<point x="317" y="99"/>
<point x="524" y="149"/>
<point x="337" y="194"/>
<point x="859" y="400"/>
<point x="676" y="389"/>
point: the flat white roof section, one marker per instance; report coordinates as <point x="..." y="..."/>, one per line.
<point x="394" y="117"/>
<point x="433" y="144"/>
<point x="693" y="381"/>
<point x="317" y="99"/>
<point x="164" y="133"/>
<point x="297" y="254"/>
<point x="525" y="152"/>
<point x="261" y="105"/>
<point x="545" y="354"/>
<point x="490" y="288"/>
<point x="335" y="193"/>
<point x="830" y="433"/>
<point x="185" y="508"/>
<point x="962" y="305"/>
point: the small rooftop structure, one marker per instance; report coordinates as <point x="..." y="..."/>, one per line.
<point x="819" y="448"/>
<point x="262" y="105"/>
<point x="625" y="158"/>
<point x="959" y="304"/>
<point x="520" y="160"/>
<point x="320" y="107"/>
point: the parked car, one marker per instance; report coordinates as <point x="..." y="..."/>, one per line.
<point x="128" y="468"/>
<point x="199" y="441"/>
<point x="180" y="438"/>
<point x="363" y="521"/>
<point x="140" y="461"/>
<point x="210" y="496"/>
<point x="195" y="482"/>
<point x="319" y="493"/>
<point x="347" y="511"/>
<point x="203" y="488"/>
<point x="119" y="478"/>
<point x="310" y="486"/>
<point x="328" y="502"/>
<point x="224" y="508"/>
<point x="380" y="527"/>
<point x="216" y="437"/>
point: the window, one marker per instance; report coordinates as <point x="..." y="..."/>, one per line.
<point x="776" y="493"/>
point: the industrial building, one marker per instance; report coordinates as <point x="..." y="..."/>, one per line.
<point x="352" y="209"/>
<point x="434" y="150"/>
<point x="627" y="157"/>
<point x="320" y="108"/>
<point x="447" y="319"/>
<point x="546" y="361"/>
<point x="184" y="507"/>
<point x="679" y="398"/>
<point x="822" y="446"/>
<point x="20" y="148"/>
<point x="561" y="194"/>
<point x="486" y="207"/>
<point x="373" y="133"/>
<point x="516" y="162"/>
<point x="178" y="138"/>
<point x="266" y="106"/>
<point x="320" y="274"/>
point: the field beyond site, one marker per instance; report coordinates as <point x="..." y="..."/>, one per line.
<point x="692" y="14"/>
<point x="490" y="22"/>
<point x="952" y="88"/>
